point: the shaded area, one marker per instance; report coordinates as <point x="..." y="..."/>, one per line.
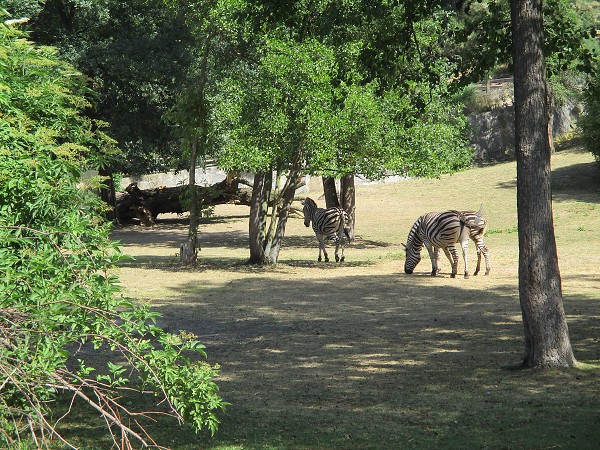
<point x="576" y="182"/>
<point x="362" y="356"/>
<point x="573" y="182"/>
<point x="388" y="361"/>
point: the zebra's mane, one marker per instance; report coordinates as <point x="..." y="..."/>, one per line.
<point x="414" y="241"/>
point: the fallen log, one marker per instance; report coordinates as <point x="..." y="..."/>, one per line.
<point x="146" y="204"/>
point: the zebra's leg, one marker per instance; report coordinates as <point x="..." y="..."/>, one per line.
<point x="430" y="249"/>
<point x="452" y="250"/>
<point x="449" y="256"/>
<point x="322" y="247"/>
<point x="339" y="243"/>
<point x="486" y="255"/>
<point x="478" y="261"/>
<point x="482" y="249"/>
<point x="465" y="252"/>
<point x="438" y="259"/>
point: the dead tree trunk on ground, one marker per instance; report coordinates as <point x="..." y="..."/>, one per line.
<point x="146" y="204"/>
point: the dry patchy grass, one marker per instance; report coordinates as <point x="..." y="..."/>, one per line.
<point x="360" y="355"/>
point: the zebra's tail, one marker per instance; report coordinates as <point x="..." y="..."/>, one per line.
<point x="348" y="232"/>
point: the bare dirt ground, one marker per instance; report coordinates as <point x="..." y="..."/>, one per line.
<point x="360" y="355"/>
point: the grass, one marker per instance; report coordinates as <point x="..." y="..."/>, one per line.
<point x="362" y="356"/>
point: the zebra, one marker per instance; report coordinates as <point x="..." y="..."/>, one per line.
<point x="441" y="231"/>
<point x="331" y="223"/>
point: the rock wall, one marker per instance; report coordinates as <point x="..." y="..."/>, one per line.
<point x="493" y="134"/>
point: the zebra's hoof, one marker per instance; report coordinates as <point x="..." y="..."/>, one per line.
<point x="337" y="258"/>
<point x="326" y="259"/>
<point x="487" y="272"/>
<point x="452" y="275"/>
<point x="466" y="275"/>
<point x="475" y="273"/>
<point x="319" y="259"/>
<point x="434" y="273"/>
<point x="342" y="259"/>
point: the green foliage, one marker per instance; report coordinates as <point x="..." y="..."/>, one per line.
<point x="280" y="107"/>
<point x="136" y="54"/>
<point x="590" y="122"/>
<point x="313" y="99"/>
<point x="58" y="299"/>
<point x="482" y="38"/>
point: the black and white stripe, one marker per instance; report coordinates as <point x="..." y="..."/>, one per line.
<point x="477" y="227"/>
<point x="330" y="223"/>
<point x="442" y="231"/>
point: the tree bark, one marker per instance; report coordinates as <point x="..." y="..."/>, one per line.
<point x="188" y="251"/>
<point x="547" y="342"/>
<point x="108" y="195"/>
<point x="348" y="196"/>
<point x="288" y="192"/>
<point x="330" y="191"/>
<point x="257" y="223"/>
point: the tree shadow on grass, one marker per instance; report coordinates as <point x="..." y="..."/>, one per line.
<point x="577" y="182"/>
<point x="390" y="361"/>
<point x="574" y="182"/>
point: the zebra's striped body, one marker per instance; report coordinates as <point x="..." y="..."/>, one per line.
<point x="442" y="231"/>
<point x="330" y="223"/>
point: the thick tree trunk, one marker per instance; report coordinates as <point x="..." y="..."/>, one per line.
<point x="547" y="342"/>
<point x="348" y="196"/>
<point x="330" y="191"/>
<point x="257" y="223"/>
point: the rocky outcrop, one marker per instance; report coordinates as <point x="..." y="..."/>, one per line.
<point x="493" y="135"/>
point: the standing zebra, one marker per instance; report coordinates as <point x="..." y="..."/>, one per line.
<point x="441" y="231"/>
<point x="330" y="223"/>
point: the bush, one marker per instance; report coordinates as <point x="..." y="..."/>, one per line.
<point x="590" y="121"/>
<point x="57" y="296"/>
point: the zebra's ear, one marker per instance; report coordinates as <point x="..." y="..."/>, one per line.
<point x="480" y="212"/>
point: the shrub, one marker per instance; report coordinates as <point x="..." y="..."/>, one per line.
<point x="590" y="121"/>
<point x="57" y="295"/>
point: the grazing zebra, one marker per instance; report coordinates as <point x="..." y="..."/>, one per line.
<point x="330" y="223"/>
<point x="441" y="231"/>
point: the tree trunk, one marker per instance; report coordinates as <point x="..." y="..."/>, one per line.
<point x="288" y="192"/>
<point x="272" y="197"/>
<point x="348" y="196"/>
<point x="330" y="191"/>
<point x="108" y="195"/>
<point x="148" y="203"/>
<point x="547" y="342"/>
<point x="257" y="223"/>
<point x="188" y="251"/>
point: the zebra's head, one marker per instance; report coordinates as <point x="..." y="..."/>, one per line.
<point x="309" y="208"/>
<point x="413" y="249"/>
<point x="413" y="257"/>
